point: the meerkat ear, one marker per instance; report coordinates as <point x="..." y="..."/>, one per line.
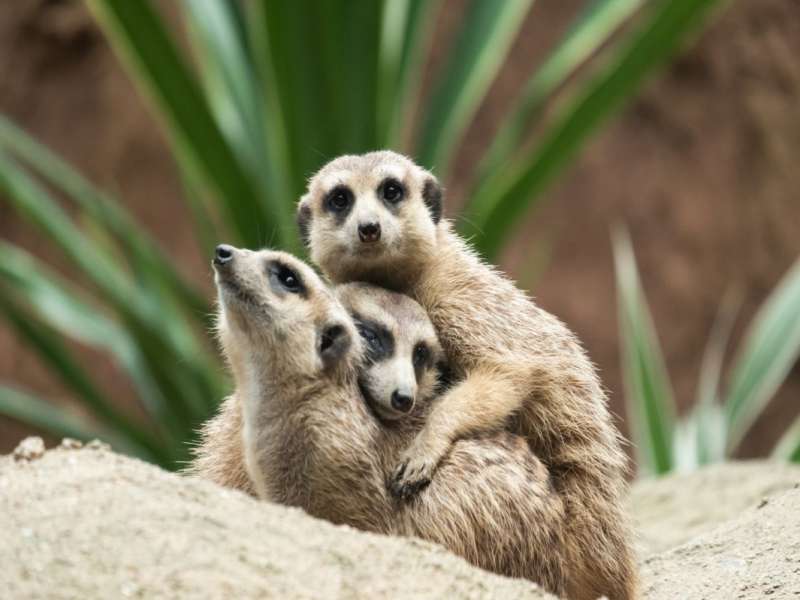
<point x="432" y="196"/>
<point x="304" y="219"/>
<point x="334" y="342"/>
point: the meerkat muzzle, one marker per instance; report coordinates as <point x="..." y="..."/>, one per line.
<point x="369" y="232"/>
<point x="223" y="254"/>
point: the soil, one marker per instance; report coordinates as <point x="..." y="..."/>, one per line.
<point x="671" y="511"/>
<point x="701" y="168"/>
<point x="92" y="524"/>
<point x="88" y="523"/>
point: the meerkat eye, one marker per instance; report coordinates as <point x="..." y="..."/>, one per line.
<point x="339" y="199"/>
<point x="286" y="278"/>
<point x="392" y="190"/>
<point x="370" y="337"/>
<point x="421" y="355"/>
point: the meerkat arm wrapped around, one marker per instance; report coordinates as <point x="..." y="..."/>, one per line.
<point x="460" y="412"/>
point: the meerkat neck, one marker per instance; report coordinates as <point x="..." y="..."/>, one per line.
<point x="304" y="437"/>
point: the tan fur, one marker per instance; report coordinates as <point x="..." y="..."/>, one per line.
<point x="219" y="456"/>
<point x="522" y="368"/>
<point x="317" y="445"/>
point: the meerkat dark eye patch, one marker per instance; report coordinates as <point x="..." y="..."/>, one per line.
<point x="283" y="279"/>
<point x="432" y="197"/>
<point x="445" y="376"/>
<point x="378" y="340"/>
<point x="391" y="190"/>
<point x="421" y="356"/>
<point x="339" y="201"/>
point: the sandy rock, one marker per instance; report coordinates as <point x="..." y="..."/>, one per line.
<point x="89" y="523"/>
<point x="670" y="511"/>
<point x="93" y="524"/>
<point x="755" y="556"/>
<point x="31" y="448"/>
<point x="70" y="444"/>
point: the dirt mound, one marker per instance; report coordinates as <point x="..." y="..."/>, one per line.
<point x="756" y="555"/>
<point x="93" y="524"/>
<point x="670" y="511"/>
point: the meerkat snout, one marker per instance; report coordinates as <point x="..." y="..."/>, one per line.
<point x="369" y="232"/>
<point x="402" y="401"/>
<point x="223" y="254"/>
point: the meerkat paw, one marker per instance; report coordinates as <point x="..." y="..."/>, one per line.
<point x="416" y="468"/>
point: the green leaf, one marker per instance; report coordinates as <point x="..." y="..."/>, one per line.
<point x="707" y="414"/>
<point x="587" y="35"/>
<point x="49" y="298"/>
<point x="497" y="208"/>
<point x="139" y="34"/>
<point x="769" y="350"/>
<point x="34" y="203"/>
<point x="321" y="58"/>
<point x="49" y="346"/>
<point x="234" y="90"/>
<point x="144" y="255"/>
<point x="788" y="447"/>
<point x="407" y="33"/>
<point x="648" y="393"/>
<point x="287" y="53"/>
<point x="482" y="43"/>
<point x="161" y="337"/>
<point x="27" y="408"/>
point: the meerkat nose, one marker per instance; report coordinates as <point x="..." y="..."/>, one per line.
<point x="401" y="402"/>
<point x="223" y="254"/>
<point x="369" y="232"/>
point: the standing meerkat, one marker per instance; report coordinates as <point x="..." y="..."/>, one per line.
<point x="310" y="440"/>
<point x="378" y="218"/>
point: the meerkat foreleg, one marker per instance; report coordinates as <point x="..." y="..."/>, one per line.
<point x="482" y="402"/>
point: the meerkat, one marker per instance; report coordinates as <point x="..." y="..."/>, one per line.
<point x="377" y="217"/>
<point x="310" y="440"/>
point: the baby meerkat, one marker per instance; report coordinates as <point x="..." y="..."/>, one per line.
<point x="311" y="441"/>
<point x="403" y="358"/>
<point x="378" y="218"/>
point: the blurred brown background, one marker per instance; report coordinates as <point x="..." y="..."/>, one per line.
<point x="702" y="168"/>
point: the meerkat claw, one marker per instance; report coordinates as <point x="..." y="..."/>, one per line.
<point x="407" y="482"/>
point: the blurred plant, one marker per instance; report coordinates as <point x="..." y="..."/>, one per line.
<point x="275" y="90"/>
<point x="719" y="420"/>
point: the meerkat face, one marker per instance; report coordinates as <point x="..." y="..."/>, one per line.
<point x="275" y="307"/>
<point x="402" y="355"/>
<point x="368" y="214"/>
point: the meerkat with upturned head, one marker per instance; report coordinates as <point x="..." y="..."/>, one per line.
<point x="378" y="218"/>
<point x="310" y="439"/>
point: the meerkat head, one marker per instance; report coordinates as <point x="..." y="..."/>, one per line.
<point x="402" y="356"/>
<point x="274" y="309"/>
<point x="370" y="217"/>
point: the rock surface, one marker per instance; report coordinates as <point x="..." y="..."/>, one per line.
<point x="93" y="524"/>
<point x="670" y="511"/>
<point x="756" y="555"/>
